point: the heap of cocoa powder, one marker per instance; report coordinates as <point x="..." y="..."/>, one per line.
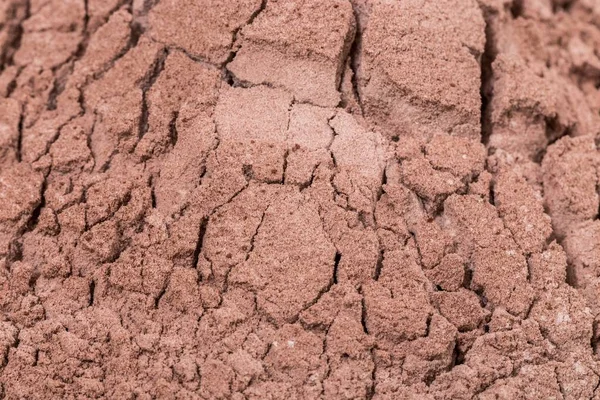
<point x="299" y="199"/>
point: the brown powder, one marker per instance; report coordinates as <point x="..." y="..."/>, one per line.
<point x="350" y="199"/>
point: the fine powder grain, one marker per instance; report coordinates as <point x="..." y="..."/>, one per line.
<point x="299" y="199"/>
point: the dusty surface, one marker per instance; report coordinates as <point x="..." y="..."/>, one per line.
<point x="346" y="199"/>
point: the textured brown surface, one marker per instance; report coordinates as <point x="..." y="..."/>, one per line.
<point x="345" y="199"/>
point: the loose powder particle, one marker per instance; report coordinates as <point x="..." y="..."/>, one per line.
<point x="277" y="199"/>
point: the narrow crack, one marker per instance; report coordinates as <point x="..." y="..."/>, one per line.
<point x="58" y="86"/>
<point x="326" y="289"/>
<point x="15" y="251"/>
<point x="136" y="31"/>
<point x="596" y="387"/>
<point x="560" y="385"/>
<point x="379" y="265"/>
<point x="19" y="149"/>
<point x="285" y="165"/>
<point x="147" y="84"/>
<point x="92" y="293"/>
<point x="200" y="241"/>
<point x="352" y="58"/>
<point x="173" y="134"/>
<point x="363" y="314"/>
<point x="486" y="88"/>
<point x="160" y="295"/>
<point x="234" y="36"/>
<point x="516" y="8"/>
<point x="336" y="263"/>
<point x="253" y="238"/>
<point x="152" y="192"/>
<point x="250" y="248"/>
<point x="371" y="388"/>
<point x="17" y="35"/>
<point x="12" y="85"/>
<point x="35" y="215"/>
<point x="59" y="83"/>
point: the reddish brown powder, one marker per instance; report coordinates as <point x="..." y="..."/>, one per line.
<point x="346" y="199"/>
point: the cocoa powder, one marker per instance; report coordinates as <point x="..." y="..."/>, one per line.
<point x="351" y="199"/>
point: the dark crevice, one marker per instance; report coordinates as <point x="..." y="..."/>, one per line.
<point x="137" y="30"/>
<point x="10" y="88"/>
<point x="516" y="8"/>
<point x="57" y="88"/>
<point x="36" y="357"/>
<point x="483" y="301"/>
<point x="598" y="193"/>
<point x="355" y="80"/>
<point x="315" y="300"/>
<point x="248" y="171"/>
<point x="235" y="34"/>
<point x="35" y="215"/>
<point x="155" y="71"/>
<point x="162" y="292"/>
<point x="564" y="6"/>
<point x="492" y="193"/>
<point x="200" y="241"/>
<point x="59" y="83"/>
<point x="152" y="194"/>
<point x="17" y="34"/>
<point x="380" y="191"/>
<point x="86" y="17"/>
<point x="468" y="279"/>
<point x="458" y="357"/>
<point x="92" y="292"/>
<point x="336" y="263"/>
<point x="103" y="168"/>
<point x="236" y="82"/>
<point x="414" y="238"/>
<point x="371" y="388"/>
<point x="597" y="385"/>
<point x="253" y="238"/>
<point x="15" y="250"/>
<point x="202" y="175"/>
<point x="528" y="265"/>
<point x="562" y="390"/>
<point x="148" y="5"/>
<point x="571" y="275"/>
<point x="229" y="78"/>
<point x="379" y="265"/>
<point x="353" y="61"/>
<point x="486" y="89"/>
<point x="309" y="183"/>
<point x="285" y="164"/>
<point x="428" y="325"/>
<point x="173" y="135"/>
<point x="363" y="315"/>
<point x="554" y="132"/>
<point x="527" y="313"/>
<point x="19" y="148"/>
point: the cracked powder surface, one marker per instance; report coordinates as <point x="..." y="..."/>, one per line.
<point x="299" y="199"/>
